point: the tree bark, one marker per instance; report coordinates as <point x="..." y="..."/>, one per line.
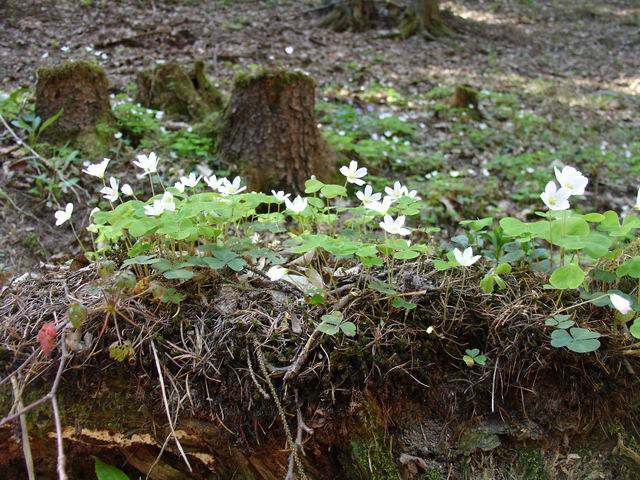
<point x="269" y="132"/>
<point x="424" y="18"/>
<point x="354" y="15"/>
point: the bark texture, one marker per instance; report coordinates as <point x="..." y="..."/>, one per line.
<point x="424" y="18"/>
<point x="354" y="15"/>
<point x="170" y="88"/>
<point x="80" y="90"/>
<point x="269" y="132"/>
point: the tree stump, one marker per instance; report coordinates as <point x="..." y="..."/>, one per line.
<point x="465" y="98"/>
<point x="354" y="15"/>
<point x="269" y="131"/>
<point x="424" y="18"/>
<point x="80" y="90"/>
<point x="171" y="89"/>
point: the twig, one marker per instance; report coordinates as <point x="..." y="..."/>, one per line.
<point x="283" y="418"/>
<point x="26" y="444"/>
<point x="301" y="359"/>
<point x="302" y="427"/>
<point x="166" y="406"/>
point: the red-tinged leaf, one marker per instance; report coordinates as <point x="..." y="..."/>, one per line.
<point x="47" y="338"/>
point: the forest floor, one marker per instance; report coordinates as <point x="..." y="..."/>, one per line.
<point x="558" y="82"/>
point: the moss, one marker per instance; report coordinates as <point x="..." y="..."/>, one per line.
<point x="531" y="464"/>
<point x="78" y="89"/>
<point x="433" y="474"/>
<point x="371" y="447"/>
<point x="72" y="69"/>
<point x="171" y="89"/>
<point x="286" y="77"/>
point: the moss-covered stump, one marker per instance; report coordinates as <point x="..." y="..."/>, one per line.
<point x="466" y="98"/>
<point x="170" y="88"/>
<point x="270" y="133"/>
<point x="353" y="15"/>
<point x="79" y="90"/>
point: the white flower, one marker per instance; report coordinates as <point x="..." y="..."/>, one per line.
<point x="191" y="181"/>
<point x="280" y="196"/>
<point x="127" y="190"/>
<point x="353" y="173"/>
<point x="368" y="196"/>
<point x="276" y="273"/>
<point x="165" y="204"/>
<point x="147" y="163"/>
<point x="117" y="135"/>
<point x="395" y="227"/>
<point x="97" y="169"/>
<point x="298" y="205"/>
<point x="64" y="215"/>
<point x="230" y="188"/>
<point x="288" y="50"/>
<point x="555" y="199"/>
<point x="255" y="238"/>
<point x="111" y="193"/>
<point x="571" y="179"/>
<point x="179" y="186"/>
<point x="381" y="207"/>
<point x="620" y="303"/>
<point x="412" y="194"/>
<point x="214" y="182"/>
<point x="466" y="258"/>
<point x="397" y="191"/>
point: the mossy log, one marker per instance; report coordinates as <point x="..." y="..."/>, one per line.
<point x="269" y="132"/>
<point x="80" y="90"/>
<point x="170" y="88"/>
<point x="353" y="15"/>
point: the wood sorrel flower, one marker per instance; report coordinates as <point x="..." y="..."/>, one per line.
<point x="97" y="169"/>
<point x="64" y="215"/>
<point x="353" y="173"/>
<point x="297" y="206"/>
<point x="395" y="227"/>
<point x="111" y="193"/>
<point x="554" y="198"/>
<point x="571" y="179"/>
<point x="147" y="163"/>
<point x="466" y="258"/>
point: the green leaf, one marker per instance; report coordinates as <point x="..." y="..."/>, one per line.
<point x="348" y="328"/>
<point x="332" y="191"/>
<point x="180" y="274"/>
<point x="333" y="318"/>
<point x="399" y="302"/>
<point x="630" y="268"/>
<point x="474" y="352"/>
<point x="406" y="255"/>
<point x="480" y="359"/>
<point x="468" y="360"/>
<point x="635" y="328"/>
<point x="441" y="265"/>
<point x="567" y="277"/>
<point x="503" y="268"/>
<point x="105" y="471"/>
<point x="560" y="338"/>
<point x="77" y="314"/>
<point x="140" y="260"/>
<point x="328" y="328"/>
<point x="382" y="287"/>
<point x="487" y="283"/>
<point x="312" y="185"/>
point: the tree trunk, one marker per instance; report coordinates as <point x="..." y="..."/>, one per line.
<point x="424" y="18"/>
<point x="79" y="90"/>
<point x="354" y="15"/>
<point x="270" y="132"/>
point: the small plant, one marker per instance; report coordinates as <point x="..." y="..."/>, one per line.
<point x="473" y="357"/>
<point x="34" y="126"/>
<point x="333" y="323"/>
